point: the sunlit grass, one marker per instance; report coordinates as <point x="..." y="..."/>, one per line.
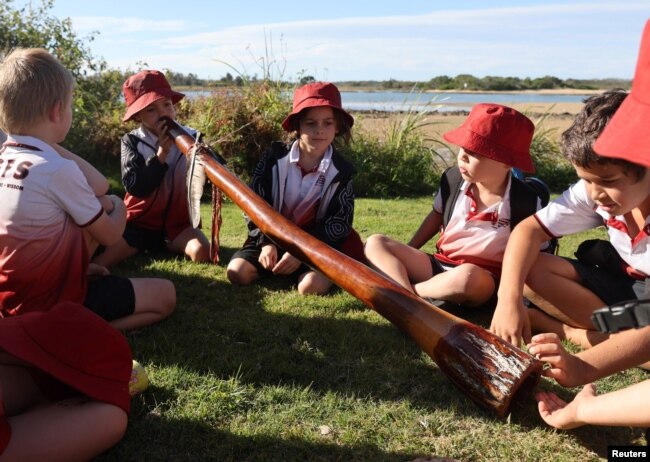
<point x="263" y="374"/>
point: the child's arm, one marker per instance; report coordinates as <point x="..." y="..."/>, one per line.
<point x="108" y="228"/>
<point x="619" y="352"/>
<point x="98" y="182"/>
<point x="140" y="177"/>
<point x="627" y="407"/>
<point x="428" y="228"/>
<point x="510" y="320"/>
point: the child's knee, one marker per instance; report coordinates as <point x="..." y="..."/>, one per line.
<point x="241" y="273"/>
<point x="375" y="242"/>
<point x="115" y="421"/>
<point x="199" y="252"/>
<point x="470" y="279"/>
<point x="167" y="298"/>
<point x="313" y="284"/>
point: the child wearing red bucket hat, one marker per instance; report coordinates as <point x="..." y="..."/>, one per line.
<point x="310" y="183"/>
<point x="64" y="385"/>
<point x="154" y="177"/>
<point x="493" y="140"/>
<point x="618" y="182"/>
<point x="55" y="210"/>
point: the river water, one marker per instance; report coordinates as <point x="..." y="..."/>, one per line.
<point x="392" y="101"/>
<point x="442" y="102"/>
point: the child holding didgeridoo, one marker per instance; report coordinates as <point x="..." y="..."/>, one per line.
<point x="55" y="210"/>
<point x="64" y="385"/>
<point x="154" y="176"/>
<point x="493" y="140"/>
<point x="622" y="154"/>
<point x="310" y="183"/>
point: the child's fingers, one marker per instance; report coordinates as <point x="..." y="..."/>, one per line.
<point x="545" y="338"/>
<point x="543" y="350"/>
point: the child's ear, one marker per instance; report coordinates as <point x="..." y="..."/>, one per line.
<point x="55" y="112"/>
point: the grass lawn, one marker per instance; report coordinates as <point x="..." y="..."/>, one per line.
<point x="263" y="374"/>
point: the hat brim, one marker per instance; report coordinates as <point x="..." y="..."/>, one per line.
<point x="477" y="143"/>
<point x="148" y="98"/>
<point x="18" y="340"/>
<point x="626" y="136"/>
<point x="288" y="124"/>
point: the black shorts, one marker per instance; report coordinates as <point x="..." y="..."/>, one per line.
<point x="251" y="253"/>
<point x="111" y="297"/>
<point x="145" y="239"/>
<point x="437" y="268"/>
<point x="608" y="286"/>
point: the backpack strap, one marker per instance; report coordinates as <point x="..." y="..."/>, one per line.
<point x="524" y="205"/>
<point x="523" y="201"/>
<point x="450" y="182"/>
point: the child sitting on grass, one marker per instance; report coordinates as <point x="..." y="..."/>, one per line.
<point x="465" y="270"/>
<point x="310" y="183"/>
<point x="64" y="385"/>
<point x="611" y="192"/>
<point x="622" y="149"/>
<point x="154" y="176"/>
<point x="55" y="210"/>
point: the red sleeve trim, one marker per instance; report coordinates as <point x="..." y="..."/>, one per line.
<point x="93" y="219"/>
<point x="550" y="234"/>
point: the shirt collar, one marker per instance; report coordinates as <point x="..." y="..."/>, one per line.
<point x="29" y="141"/>
<point x="294" y="155"/>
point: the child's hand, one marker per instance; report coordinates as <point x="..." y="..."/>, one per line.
<point x="560" y="414"/>
<point x="565" y="367"/>
<point x="511" y="324"/>
<point x="287" y="264"/>
<point x="268" y="257"/>
<point x="165" y="140"/>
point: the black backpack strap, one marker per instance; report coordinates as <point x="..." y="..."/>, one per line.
<point x="450" y="182"/>
<point x="523" y="201"/>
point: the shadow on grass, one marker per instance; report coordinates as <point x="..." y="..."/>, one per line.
<point x="257" y="335"/>
<point x="154" y="437"/>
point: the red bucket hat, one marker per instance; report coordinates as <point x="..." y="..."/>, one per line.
<point x="627" y="135"/>
<point x="145" y="87"/>
<point x="497" y="132"/>
<point x="75" y="346"/>
<point x="314" y="95"/>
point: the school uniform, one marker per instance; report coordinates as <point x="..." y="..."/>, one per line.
<point x="321" y="202"/>
<point x="471" y="237"/>
<point x="46" y="203"/>
<point x="574" y="212"/>
<point x="156" y="193"/>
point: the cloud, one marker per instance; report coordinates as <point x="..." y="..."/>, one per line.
<point x="117" y="26"/>
<point x="566" y="40"/>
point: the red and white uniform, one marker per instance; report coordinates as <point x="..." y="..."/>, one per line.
<point x="574" y="211"/>
<point x="46" y="201"/>
<point x="470" y="237"/>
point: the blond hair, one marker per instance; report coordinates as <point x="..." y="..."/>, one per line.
<point x="32" y="81"/>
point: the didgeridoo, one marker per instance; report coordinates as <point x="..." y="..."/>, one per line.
<point x="488" y="369"/>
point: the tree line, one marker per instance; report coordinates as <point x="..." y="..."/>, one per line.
<point x="461" y="82"/>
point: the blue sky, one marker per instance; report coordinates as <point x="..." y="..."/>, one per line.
<point x="354" y="40"/>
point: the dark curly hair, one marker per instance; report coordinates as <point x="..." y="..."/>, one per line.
<point x="589" y="123"/>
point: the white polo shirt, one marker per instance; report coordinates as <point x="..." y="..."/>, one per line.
<point x="46" y="200"/>
<point x="575" y="211"/>
<point x="471" y="237"/>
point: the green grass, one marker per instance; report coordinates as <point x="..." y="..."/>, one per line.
<point x="263" y="374"/>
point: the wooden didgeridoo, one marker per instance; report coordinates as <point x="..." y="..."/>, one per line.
<point x="488" y="369"/>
